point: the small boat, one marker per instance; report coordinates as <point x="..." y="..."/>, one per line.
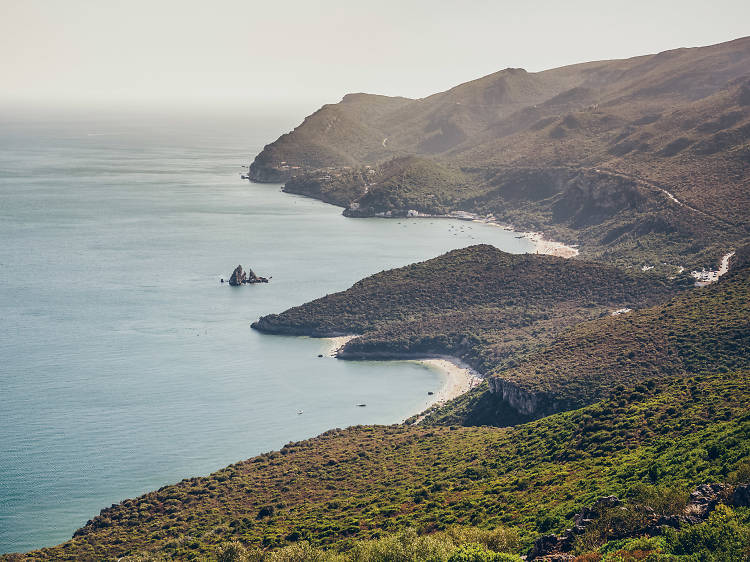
<point x="300" y="412"/>
<point x="361" y="405"/>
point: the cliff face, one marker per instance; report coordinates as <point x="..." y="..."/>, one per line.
<point x="678" y="120"/>
<point x="268" y="173"/>
<point x="532" y="404"/>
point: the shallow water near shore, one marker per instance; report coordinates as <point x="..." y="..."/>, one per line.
<point x="126" y="364"/>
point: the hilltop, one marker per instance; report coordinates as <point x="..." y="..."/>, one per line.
<point x="545" y="331"/>
<point x="479" y="304"/>
<point x="641" y="160"/>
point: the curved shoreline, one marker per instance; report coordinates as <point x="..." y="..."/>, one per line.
<point x="336" y="343"/>
<point x="459" y="379"/>
<point x="542" y="244"/>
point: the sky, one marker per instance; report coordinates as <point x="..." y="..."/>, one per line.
<point x="276" y="52"/>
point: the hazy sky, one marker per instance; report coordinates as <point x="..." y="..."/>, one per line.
<point x="186" y="51"/>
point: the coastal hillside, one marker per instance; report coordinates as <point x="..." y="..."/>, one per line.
<point x="641" y="160"/>
<point x="484" y="306"/>
<point x="549" y="334"/>
<point x="364" y="483"/>
<point x="702" y="330"/>
<point x="648" y="431"/>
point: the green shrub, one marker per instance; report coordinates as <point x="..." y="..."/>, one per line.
<point x="480" y="553"/>
<point x="633" y="549"/>
<point x="236" y="552"/>
<point x="664" y="500"/>
<point x="403" y="547"/>
<point x="500" y="539"/>
<point x="300" y="552"/>
<point x="720" y="538"/>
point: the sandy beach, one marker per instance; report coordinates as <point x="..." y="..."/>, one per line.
<point x="460" y="378"/>
<point x="337" y="343"/>
<point x="550" y="247"/>
<point x="543" y="245"/>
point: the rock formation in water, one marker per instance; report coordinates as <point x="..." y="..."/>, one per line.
<point x="240" y="277"/>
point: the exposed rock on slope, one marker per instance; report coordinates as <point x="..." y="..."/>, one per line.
<point x="644" y="520"/>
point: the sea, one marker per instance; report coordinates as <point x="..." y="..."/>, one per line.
<point x="125" y="364"/>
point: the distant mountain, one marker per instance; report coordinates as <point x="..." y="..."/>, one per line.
<point x="642" y="160"/>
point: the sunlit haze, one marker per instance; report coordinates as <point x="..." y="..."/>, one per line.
<point x="242" y="52"/>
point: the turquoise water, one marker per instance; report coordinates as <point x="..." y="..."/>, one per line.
<point x="124" y="363"/>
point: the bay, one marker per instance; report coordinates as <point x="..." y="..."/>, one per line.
<point x="125" y="364"/>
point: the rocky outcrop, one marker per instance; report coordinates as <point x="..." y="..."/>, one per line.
<point x="702" y="502"/>
<point x="240" y="277"/>
<point x="558" y="547"/>
<point x="741" y="496"/>
<point x="266" y="172"/>
<point x="536" y="404"/>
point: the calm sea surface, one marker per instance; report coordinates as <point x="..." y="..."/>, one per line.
<point x="124" y="363"/>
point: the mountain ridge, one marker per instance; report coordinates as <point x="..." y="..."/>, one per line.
<point x="676" y="121"/>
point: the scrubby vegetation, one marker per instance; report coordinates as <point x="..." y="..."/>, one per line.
<point x="701" y="330"/>
<point x="478" y="303"/>
<point x="452" y="492"/>
<point x="365" y="483"/>
<point x="643" y="162"/>
<point x="725" y="536"/>
<point x="706" y="329"/>
<point x="541" y="324"/>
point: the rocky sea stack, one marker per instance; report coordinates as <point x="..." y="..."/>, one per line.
<point x="240" y="277"/>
